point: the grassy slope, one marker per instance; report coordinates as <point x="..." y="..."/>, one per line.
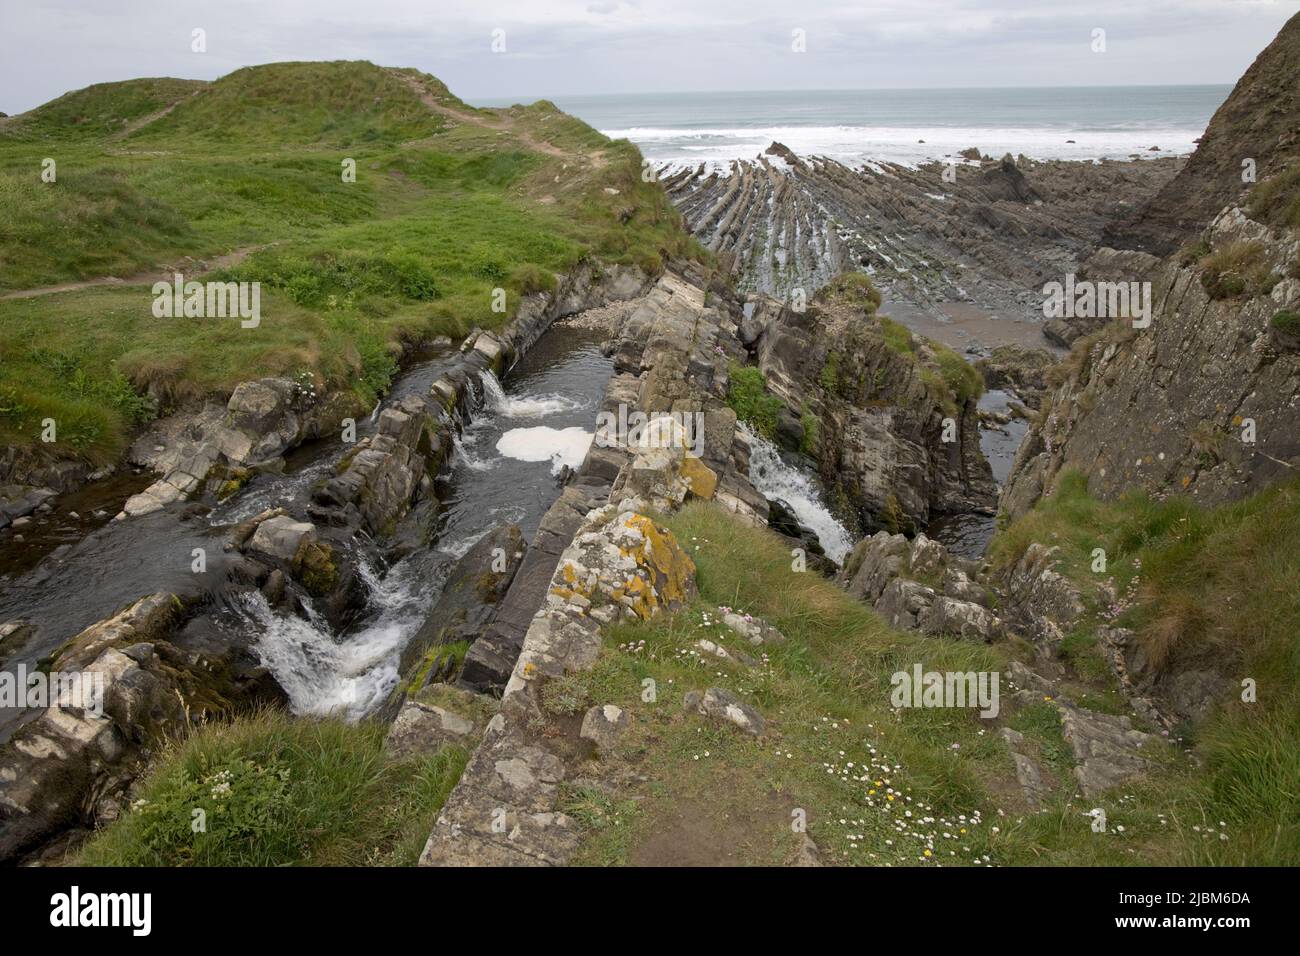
<point x="443" y="210"/>
<point x="835" y="749"/>
<point x="835" y="746"/>
<point x="279" y="791"/>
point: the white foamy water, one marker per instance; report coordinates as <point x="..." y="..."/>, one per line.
<point x="774" y="478"/>
<point x="855" y="145"/>
<point x="345" y="678"/>
<point x="561" y="446"/>
<point x="525" y="406"/>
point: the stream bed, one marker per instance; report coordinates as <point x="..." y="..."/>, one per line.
<point x="502" y="472"/>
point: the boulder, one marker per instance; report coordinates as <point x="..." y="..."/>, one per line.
<point x="724" y="706"/>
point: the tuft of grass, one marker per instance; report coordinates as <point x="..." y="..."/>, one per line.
<point x="1286" y="322"/>
<point x="273" y="790"/>
<point x="1238" y="268"/>
<point x="1276" y="200"/>
<point x="748" y="397"/>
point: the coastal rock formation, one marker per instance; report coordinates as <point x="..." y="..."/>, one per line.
<point x="1202" y="402"/>
<point x="894" y="429"/>
<point x="987" y="231"/>
<point x="1256" y="130"/>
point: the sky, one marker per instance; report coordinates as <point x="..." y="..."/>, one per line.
<point x="577" y="47"/>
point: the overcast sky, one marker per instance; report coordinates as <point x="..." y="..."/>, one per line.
<point x="570" y="47"/>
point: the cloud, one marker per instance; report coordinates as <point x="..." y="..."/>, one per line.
<point x="572" y="47"/>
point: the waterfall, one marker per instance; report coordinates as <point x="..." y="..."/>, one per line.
<point x="524" y="406"/>
<point x="776" y="478"/>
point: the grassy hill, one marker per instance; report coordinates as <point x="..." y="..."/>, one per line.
<point x="245" y="174"/>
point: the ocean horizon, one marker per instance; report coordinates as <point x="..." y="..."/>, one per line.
<point x="907" y="126"/>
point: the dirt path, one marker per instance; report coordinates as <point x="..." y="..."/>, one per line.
<point x="501" y="125"/>
<point x="141" y="278"/>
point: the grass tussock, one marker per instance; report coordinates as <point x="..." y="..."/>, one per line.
<point x="274" y="790"/>
<point x="1238" y="268"/>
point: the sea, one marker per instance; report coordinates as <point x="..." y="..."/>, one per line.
<point x="904" y="126"/>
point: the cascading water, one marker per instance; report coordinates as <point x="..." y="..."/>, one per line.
<point x="557" y="388"/>
<point x="775" y="478"/>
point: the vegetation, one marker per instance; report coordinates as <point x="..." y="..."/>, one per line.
<point x="748" y="397"/>
<point x="1287" y="322"/>
<point x="1277" y="199"/>
<point x="1238" y="268"/>
<point x="273" y="790"/>
<point x="837" y="752"/>
<point x="1211" y="590"/>
<point x="243" y="179"/>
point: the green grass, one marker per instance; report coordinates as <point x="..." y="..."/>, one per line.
<point x="1204" y="589"/>
<point x="1287" y="322"/>
<point x="1238" y="268"/>
<point x="724" y="796"/>
<point x="748" y="397"/>
<point x="442" y="212"/>
<point x="274" y="790"/>
<point x="1277" y="199"/>
<point x="951" y="379"/>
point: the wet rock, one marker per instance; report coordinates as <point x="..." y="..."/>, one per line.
<point x="470" y="597"/>
<point x="282" y="539"/>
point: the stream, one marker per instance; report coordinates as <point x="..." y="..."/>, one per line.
<point x="503" y="471"/>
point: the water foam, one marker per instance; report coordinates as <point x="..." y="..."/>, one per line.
<point x="775" y="478"/>
<point x="561" y="446"/>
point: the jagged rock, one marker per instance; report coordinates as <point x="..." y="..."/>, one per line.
<point x="602" y="725"/>
<point x="1019" y="368"/>
<point x="874" y="563"/>
<point x="753" y="629"/>
<point x="905" y="604"/>
<point x="881" y="423"/>
<point x="957" y="584"/>
<point x="954" y="618"/>
<point x="722" y="705"/>
<point x="928" y="558"/>
<point x="1042" y="600"/>
<point x="471" y="595"/>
